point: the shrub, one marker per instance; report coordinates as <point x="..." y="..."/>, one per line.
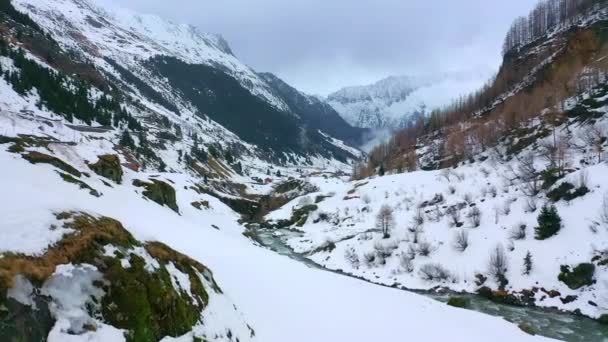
<point x="351" y="256"/>
<point x="531" y="205"/>
<point x="454" y="216"/>
<point x="424" y="248"/>
<point x="461" y="240"/>
<point x="527" y="264"/>
<point x="518" y="232"/>
<point x="434" y="272"/>
<point x="474" y="217"/>
<point x="459" y="302"/>
<point x="549" y="223"/>
<point x="369" y="259"/>
<point x="581" y="275"/>
<point x="567" y="191"/>
<point x="405" y="262"/>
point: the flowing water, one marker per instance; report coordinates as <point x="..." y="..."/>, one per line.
<point x="562" y="326"/>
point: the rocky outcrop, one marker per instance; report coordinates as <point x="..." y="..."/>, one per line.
<point x="108" y="166"/>
<point x="159" y="192"/>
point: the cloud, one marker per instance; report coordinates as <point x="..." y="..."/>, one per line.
<point x="320" y="46"/>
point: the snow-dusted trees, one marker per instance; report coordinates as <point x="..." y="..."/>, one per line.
<point x="547" y="15"/>
<point x="385" y="221"/>
<point x="498" y="265"/>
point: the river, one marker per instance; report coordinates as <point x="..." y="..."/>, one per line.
<point x="561" y="326"/>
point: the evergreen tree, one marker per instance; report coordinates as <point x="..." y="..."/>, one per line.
<point x="162" y="167"/>
<point x="549" y="223"/>
<point x="527" y="263"/>
<point x="126" y="140"/>
<point x="381" y="170"/>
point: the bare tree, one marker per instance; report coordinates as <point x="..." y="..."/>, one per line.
<point x="434" y="272"/>
<point x="498" y="265"/>
<point x="474" y="217"/>
<point x="594" y="136"/>
<point x="526" y="172"/>
<point x="385" y="220"/>
<point x="604" y="210"/>
<point x="461" y="240"/>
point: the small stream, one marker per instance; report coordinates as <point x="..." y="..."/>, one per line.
<point x="561" y="326"/>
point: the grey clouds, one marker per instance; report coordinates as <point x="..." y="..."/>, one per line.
<point x="320" y="46"/>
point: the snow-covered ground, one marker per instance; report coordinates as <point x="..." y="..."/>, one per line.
<point x="424" y="231"/>
<point x="281" y="299"/>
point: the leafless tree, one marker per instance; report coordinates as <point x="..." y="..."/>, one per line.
<point x="385" y="220"/>
<point x="498" y="265"/>
<point x="530" y="178"/>
<point x="434" y="272"/>
<point x="594" y="137"/>
<point x="461" y="240"/>
<point x="531" y="205"/>
<point x="453" y="213"/>
<point x="604" y="210"/>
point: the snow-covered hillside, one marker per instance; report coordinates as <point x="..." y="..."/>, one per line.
<point x="398" y="100"/>
<point x="128" y="37"/>
<point x="448" y="227"/>
<point x="259" y="295"/>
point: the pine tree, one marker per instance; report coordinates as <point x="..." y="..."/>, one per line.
<point x="527" y="263"/>
<point x="126" y="140"/>
<point x="549" y="223"/>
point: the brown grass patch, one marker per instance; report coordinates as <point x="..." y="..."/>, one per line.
<point x="89" y="233"/>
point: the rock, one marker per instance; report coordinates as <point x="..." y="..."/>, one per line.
<point x="459" y="302"/>
<point x="579" y="276"/>
<point x="41" y="158"/>
<point x="527" y="328"/>
<point x="108" y="166"/>
<point x="159" y="192"/>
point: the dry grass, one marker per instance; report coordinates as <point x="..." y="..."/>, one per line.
<point x="89" y="233"/>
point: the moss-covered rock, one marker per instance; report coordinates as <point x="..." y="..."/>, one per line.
<point x="159" y="192"/>
<point x="459" y="302"/>
<point x="579" y="276"/>
<point x="70" y="179"/>
<point x="35" y="157"/>
<point x="527" y="328"/>
<point x="140" y="298"/>
<point x="108" y="166"/>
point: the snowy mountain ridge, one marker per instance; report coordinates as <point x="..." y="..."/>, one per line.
<point x="128" y="37"/>
<point x="395" y="101"/>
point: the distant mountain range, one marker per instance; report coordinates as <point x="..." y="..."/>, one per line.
<point x="395" y="101"/>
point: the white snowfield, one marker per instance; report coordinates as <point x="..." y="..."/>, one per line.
<point x="348" y="219"/>
<point x="281" y="299"/>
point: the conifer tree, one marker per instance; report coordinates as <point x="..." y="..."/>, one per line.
<point x="549" y="223"/>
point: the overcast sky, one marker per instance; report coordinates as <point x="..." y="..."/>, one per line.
<point x="322" y="45"/>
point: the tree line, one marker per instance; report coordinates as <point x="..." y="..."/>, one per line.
<point x="62" y="95"/>
<point x="546" y="16"/>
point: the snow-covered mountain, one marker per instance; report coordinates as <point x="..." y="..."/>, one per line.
<point x="395" y="101"/>
<point x="179" y="73"/>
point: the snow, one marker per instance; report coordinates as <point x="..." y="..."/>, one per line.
<point x="280" y="298"/>
<point x="71" y="289"/>
<point x="391" y="102"/>
<point x="351" y="224"/>
<point x="127" y="36"/>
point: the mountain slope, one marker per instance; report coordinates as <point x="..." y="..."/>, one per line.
<point x="316" y="113"/>
<point x="152" y="62"/>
